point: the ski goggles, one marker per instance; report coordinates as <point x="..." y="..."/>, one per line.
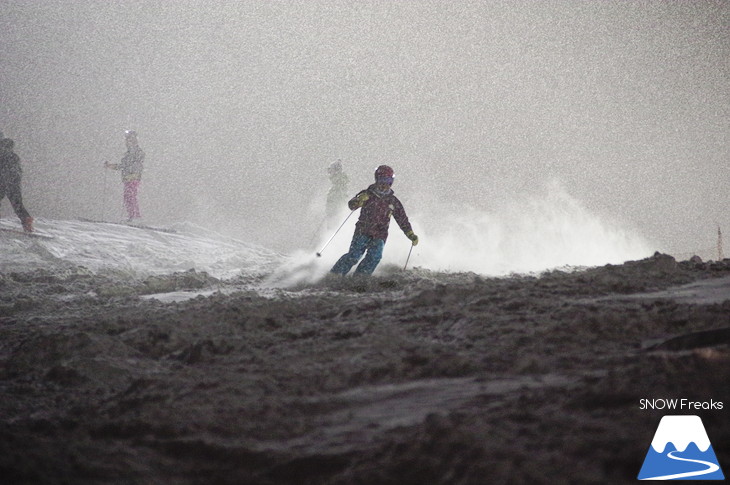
<point x="385" y="181"/>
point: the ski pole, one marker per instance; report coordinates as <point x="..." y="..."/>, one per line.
<point x="319" y="253"/>
<point x="409" y="257"/>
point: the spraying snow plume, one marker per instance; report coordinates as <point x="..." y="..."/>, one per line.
<point x="525" y="234"/>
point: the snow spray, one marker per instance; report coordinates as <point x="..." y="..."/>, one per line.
<point x="529" y="233"/>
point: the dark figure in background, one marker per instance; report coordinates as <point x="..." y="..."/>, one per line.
<point x="131" y="167"/>
<point x="339" y="189"/>
<point x="10" y="177"/>
<point x="378" y="203"/>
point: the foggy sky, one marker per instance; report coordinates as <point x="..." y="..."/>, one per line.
<point x="240" y="107"/>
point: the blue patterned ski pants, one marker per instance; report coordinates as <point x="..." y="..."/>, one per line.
<point x="360" y="243"/>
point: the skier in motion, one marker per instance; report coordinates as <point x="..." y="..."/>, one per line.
<point x="378" y="204"/>
<point x="131" y="167"/>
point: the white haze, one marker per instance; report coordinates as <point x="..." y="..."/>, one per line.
<point x="524" y="134"/>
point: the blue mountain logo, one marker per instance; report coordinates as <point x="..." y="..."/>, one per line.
<point x="681" y="450"/>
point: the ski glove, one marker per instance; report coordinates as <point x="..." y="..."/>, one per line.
<point x="361" y="199"/>
<point x="412" y="237"/>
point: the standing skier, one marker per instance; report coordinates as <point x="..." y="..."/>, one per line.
<point x="131" y="167"/>
<point x="378" y="203"/>
<point x="10" y="177"/>
<point x="337" y="194"/>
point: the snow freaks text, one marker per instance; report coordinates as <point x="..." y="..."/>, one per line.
<point x="680" y="404"/>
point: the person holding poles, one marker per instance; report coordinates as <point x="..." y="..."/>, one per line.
<point x="377" y="203"/>
<point x="131" y="167"/>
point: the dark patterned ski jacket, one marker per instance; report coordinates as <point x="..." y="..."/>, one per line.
<point x="376" y="212"/>
<point x="10" y="170"/>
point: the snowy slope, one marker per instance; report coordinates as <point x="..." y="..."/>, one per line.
<point x="137" y="252"/>
<point x="175" y="380"/>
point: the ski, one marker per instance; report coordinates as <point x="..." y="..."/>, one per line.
<point x="138" y="226"/>
<point x="28" y="234"/>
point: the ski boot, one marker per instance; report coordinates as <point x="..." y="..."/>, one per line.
<point x="28" y="224"/>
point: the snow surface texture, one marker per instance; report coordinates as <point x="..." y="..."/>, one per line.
<point x="110" y="247"/>
<point x="545" y="234"/>
<point x="131" y="355"/>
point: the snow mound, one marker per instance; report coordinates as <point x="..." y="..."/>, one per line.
<point x="102" y="247"/>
